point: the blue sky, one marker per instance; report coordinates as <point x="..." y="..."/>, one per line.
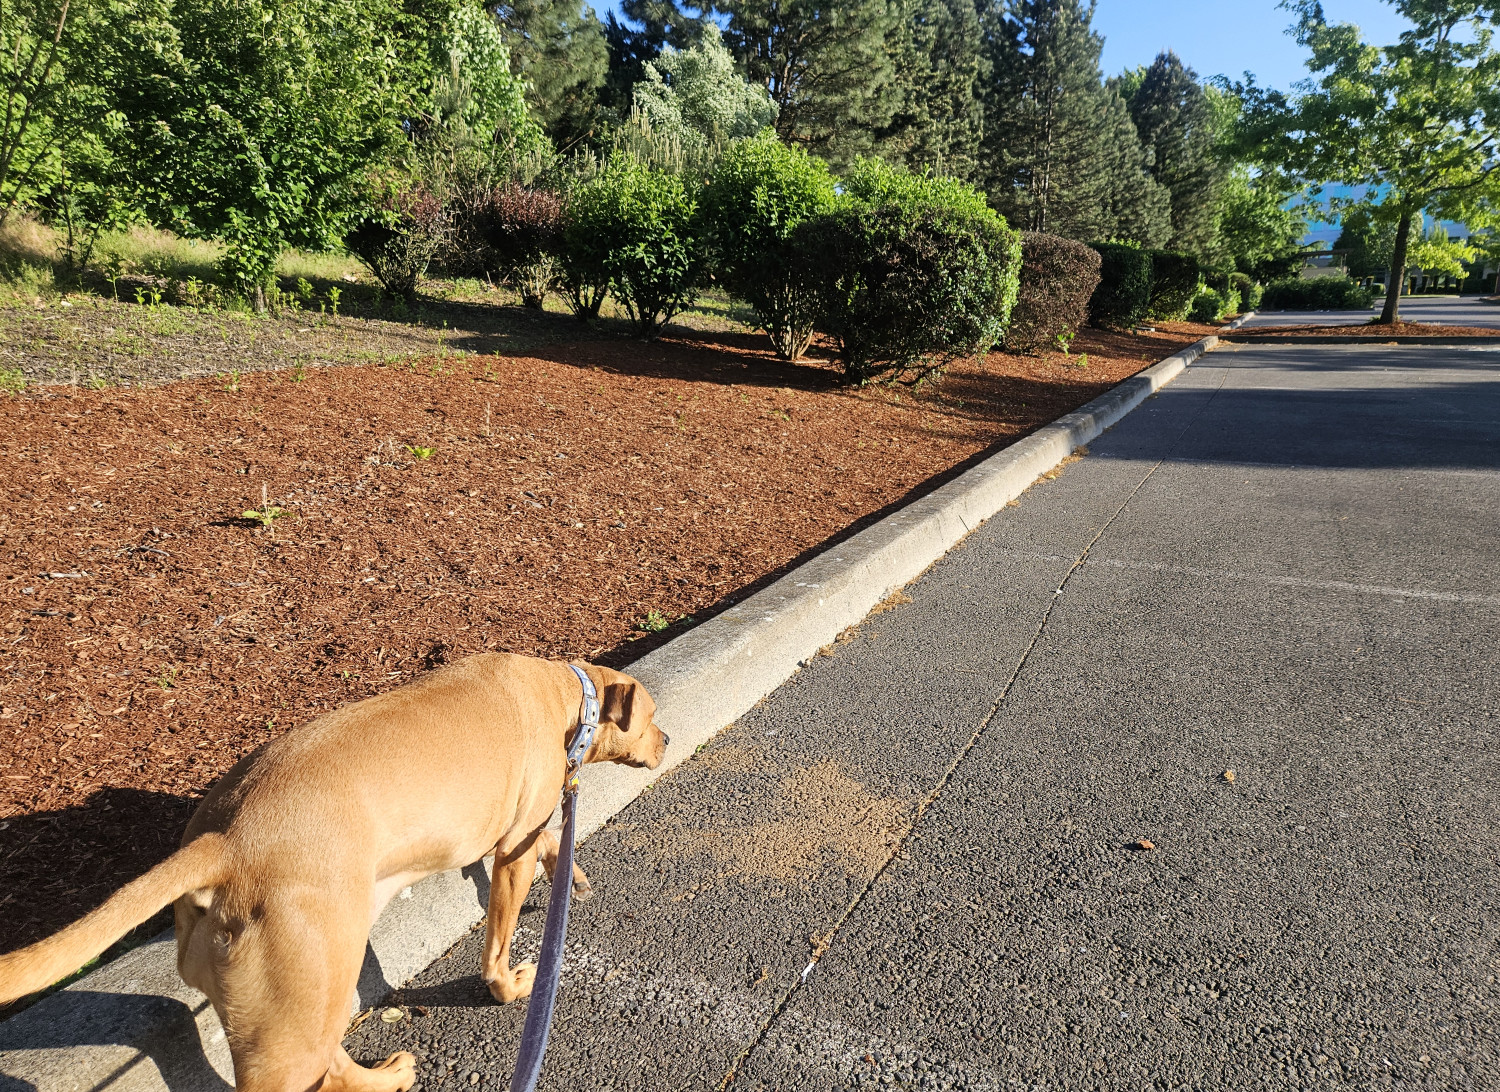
<point x="1217" y="38"/>
<point x="1212" y="36"/>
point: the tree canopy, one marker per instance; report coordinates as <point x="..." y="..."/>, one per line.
<point x="1418" y="120"/>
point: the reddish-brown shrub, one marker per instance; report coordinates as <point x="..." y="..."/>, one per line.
<point x="1057" y="278"/>
<point x="521" y="229"/>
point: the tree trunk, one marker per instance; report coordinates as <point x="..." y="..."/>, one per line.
<point x="1396" y="279"/>
<point x="259" y="299"/>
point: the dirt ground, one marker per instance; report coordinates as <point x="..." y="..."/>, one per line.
<point x="1370" y="329"/>
<point x="588" y="498"/>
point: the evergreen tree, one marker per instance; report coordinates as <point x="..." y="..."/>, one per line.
<point x="558" y="48"/>
<point x="1060" y="152"/>
<point x="938" y="64"/>
<point x="1176" y="122"/>
<point x="827" y="63"/>
<point x="648" y="27"/>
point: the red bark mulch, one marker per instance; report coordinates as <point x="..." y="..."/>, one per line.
<point x="570" y="500"/>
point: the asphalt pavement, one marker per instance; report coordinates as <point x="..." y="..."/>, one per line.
<point x="1448" y="310"/>
<point x="1183" y="772"/>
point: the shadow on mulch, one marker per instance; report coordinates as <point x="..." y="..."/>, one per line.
<point x="115" y="832"/>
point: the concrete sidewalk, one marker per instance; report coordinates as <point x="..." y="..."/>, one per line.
<point x="912" y="863"/>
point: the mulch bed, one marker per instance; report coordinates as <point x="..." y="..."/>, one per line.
<point x="560" y="504"/>
<point x="1393" y="330"/>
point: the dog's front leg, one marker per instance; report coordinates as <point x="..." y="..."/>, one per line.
<point x="508" y="887"/>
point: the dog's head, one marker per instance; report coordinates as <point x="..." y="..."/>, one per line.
<point x="627" y="731"/>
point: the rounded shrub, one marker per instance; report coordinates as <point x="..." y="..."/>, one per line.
<point x="1058" y="277"/>
<point x="1175" y="279"/>
<point x="522" y="230"/>
<point x="1318" y="294"/>
<point x="1243" y="284"/>
<point x="1124" y="292"/>
<point x="405" y="231"/>
<point x="631" y="230"/>
<point x="1212" y="304"/>
<point x="915" y="272"/>
<point x="759" y="193"/>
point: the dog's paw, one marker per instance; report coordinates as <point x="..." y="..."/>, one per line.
<point x="401" y="1068"/>
<point x="582" y="889"/>
<point x="514" y="984"/>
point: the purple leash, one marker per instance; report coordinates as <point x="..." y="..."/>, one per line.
<point x="555" y="931"/>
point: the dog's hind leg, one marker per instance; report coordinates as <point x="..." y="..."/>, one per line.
<point x="509" y="884"/>
<point x="548" y="846"/>
<point x="286" y="963"/>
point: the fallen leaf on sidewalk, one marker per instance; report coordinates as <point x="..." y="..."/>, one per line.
<point x="1228" y="775"/>
<point x="1142" y="845"/>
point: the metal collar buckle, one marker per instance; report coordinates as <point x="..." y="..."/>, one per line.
<point x="588" y="726"/>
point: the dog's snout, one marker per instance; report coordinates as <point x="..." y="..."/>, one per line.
<point x="666" y="740"/>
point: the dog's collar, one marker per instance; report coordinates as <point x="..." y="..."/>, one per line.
<point x="588" y="725"/>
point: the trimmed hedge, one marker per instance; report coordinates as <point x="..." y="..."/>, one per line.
<point x="1175" y="280"/>
<point x="632" y="230"/>
<point x="925" y="275"/>
<point x="1058" y="277"/>
<point x="1318" y="294"/>
<point x="760" y="191"/>
<point x="1124" y="293"/>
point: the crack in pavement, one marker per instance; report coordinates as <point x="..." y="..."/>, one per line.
<point x="899" y="847"/>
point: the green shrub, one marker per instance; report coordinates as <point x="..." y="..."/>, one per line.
<point x="1124" y="292"/>
<point x="874" y="182"/>
<point x="631" y="229"/>
<point x="1174" y="282"/>
<point x="1058" y="277"/>
<point x="760" y="191"/>
<point x="1250" y="299"/>
<point x="1242" y="284"/>
<point x="1318" y="294"/>
<point x="400" y="238"/>
<point x="1212" y="304"/>
<point x="926" y="274"/>
<point x="521" y="228"/>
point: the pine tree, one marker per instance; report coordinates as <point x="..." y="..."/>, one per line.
<point x="558" y="47"/>
<point x="1176" y="123"/>
<point x="827" y="63"/>
<point x="647" y="27"/>
<point x="1060" y="153"/>
<point x="938" y="64"/>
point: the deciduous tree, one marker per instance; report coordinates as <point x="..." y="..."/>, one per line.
<point x="1419" y="119"/>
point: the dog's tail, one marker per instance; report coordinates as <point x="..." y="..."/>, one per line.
<point x="200" y="863"/>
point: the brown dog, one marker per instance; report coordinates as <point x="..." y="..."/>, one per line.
<point x="294" y="853"/>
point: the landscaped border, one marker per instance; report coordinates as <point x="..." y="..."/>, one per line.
<point x="134" y="1025"/>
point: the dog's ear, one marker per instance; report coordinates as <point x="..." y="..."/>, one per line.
<point x="619" y="701"/>
<point x="625" y="703"/>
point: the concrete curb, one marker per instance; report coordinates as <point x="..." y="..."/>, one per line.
<point x="133" y="1025"/>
